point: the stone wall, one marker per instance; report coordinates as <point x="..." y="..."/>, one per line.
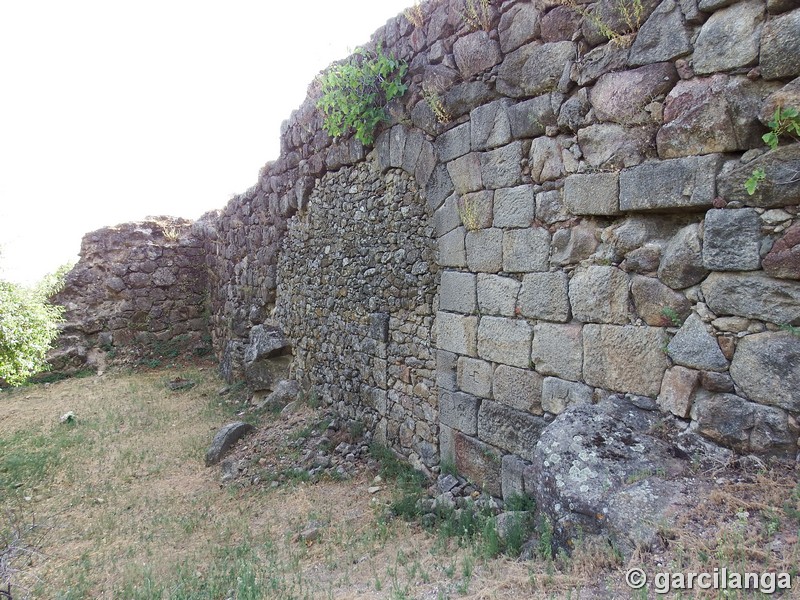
<point x="582" y="218"/>
<point x="356" y="294"/>
<point x="137" y="292"/>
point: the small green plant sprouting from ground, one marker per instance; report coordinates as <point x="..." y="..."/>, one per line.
<point x="784" y="122"/>
<point x="434" y="101"/>
<point x="355" y="93"/>
<point x="477" y="15"/>
<point x="793" y="330"/>
<point x="672" y="316"/>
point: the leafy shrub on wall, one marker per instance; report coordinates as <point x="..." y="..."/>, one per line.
<point x="355" y="93"/>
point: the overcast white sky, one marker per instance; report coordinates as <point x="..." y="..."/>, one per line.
<point x="111" y="111"/>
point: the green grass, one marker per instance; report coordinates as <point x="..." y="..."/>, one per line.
<point x="28" y="459"/>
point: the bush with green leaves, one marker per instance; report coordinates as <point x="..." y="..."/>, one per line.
<point x="28" y="328"/>
<point x="355" y="93"/>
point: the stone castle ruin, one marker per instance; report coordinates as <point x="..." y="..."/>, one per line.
<point x="547" y="270"/>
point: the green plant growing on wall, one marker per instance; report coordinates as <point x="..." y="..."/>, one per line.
<point x="785" y="122"/>
<point x="434" y="101"/>
<point x="414" y="14"/>
<point x="355" y="93"/>
<point x="630" y="11"/>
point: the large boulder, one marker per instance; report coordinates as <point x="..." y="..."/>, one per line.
<point x="597" y="470"/>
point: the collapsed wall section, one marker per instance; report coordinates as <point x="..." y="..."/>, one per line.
<point x="357" y="280"/>
<point x="138" y="291"/>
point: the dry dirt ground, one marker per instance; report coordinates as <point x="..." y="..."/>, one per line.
<point x="119" y="504"/>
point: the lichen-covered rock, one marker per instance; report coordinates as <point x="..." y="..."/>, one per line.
<point x="766" y="368"/>
<point x="596" y="470"/>
<point x="732" y="240"/>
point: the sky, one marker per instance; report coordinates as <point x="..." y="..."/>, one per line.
<point x="112" y="111"/>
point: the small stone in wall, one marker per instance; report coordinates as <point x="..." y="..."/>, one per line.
<point x="682" y="263"/>
<point x="694" y="347"/>
<point x="783" y="261"/>
<point x="677" y="391"/>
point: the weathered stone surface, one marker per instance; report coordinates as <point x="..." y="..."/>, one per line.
<point x="592" y="194"/>
<point x="744" y="426"/>
<point x="497" y="295"/>
<point x="456" y="333"/>
<point x="775" y="7"/>
<point x="558" y="350"/>
<point x="613" y="146"/>
<point x="682" y="263"/>
<point x="224" y="440"/>
<point x="715" y="114"/>
<point x="624" y="359"/>
<point x="265" y="346"/>
<point x="621" y="96"/>
<point x="531" y="118"/>
<point x="766" y="368"/>
<point x="780" y="46"/>
<point x="453" y="143"/>
<point x="457" y="292"/>
<point x="452" y="252"/>
<point x="601" y="60"/>
<point x="753" y="296"/>
<point x="510" y="429"/>
<point x="676" y="183"/>
<point x="505" y="341"/>
<point x="485" y="250"/>
<point x="465" y="172"/>
<point x="544" y="296"/>
<point x="446" y="217"/>
<point x="474" y="377"/>
<point x="560" y="24"/>
<point x="475" y="209"/>
<point x="694" y="347"/>
<point x="526" y="250"/>
<point x="501" y="167"/>
<point x="546" y="159"/>
<point x="550" y="207"/>
<point x="463" y="97"/>
<point x="476" y="52"/>
<point x="558" y="394"/>
<point x="480" y="463"/>
<point x="732" y="239"/>
<point x="656" y="303"/>
<point x="439" y="187"/>
<point x="446" y="370"/>
<point x="490" y="125"/>
<point x="571" y="246"/>
<point x="518" y="388"/>
<point x="781" y="186"/>
<point x="662" y="37"/>
<point x="574" y="113"/>
<point x="514" y="207"/>
<point x="677" y="391"/>
<point x="533" y="69"/>
<point x="783" y="261"/>
<point x="730" y="38"/>
<point x="717" y="382"/>
<point x="518" y="26"/>
<point x="582" y="470"/>
<point x="787" y="96"/>
<point x="600" y="295"/>
<point x="513" y="482"/>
